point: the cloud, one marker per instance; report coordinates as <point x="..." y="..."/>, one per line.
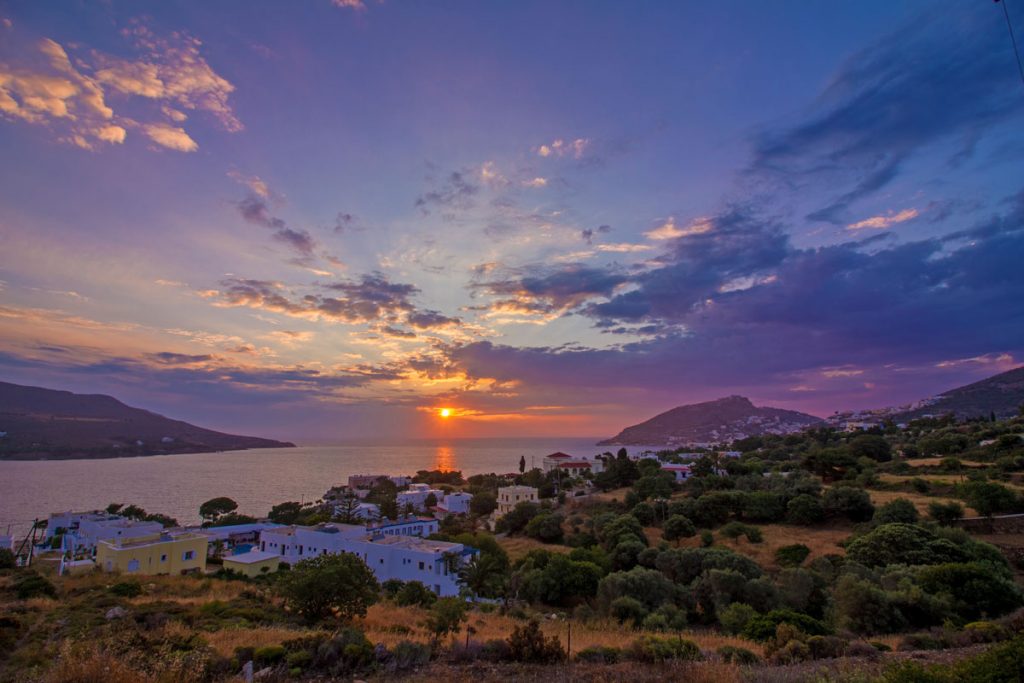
<point x="41" y="85"/>
<point x="170" y="358"/>
<point x="456" y="192"/>
<point x="536" y="182"/>
<point x="558" y="148"/>
<point x="256" y="185"/>
<point x="547" y="289"/>
<point x="357" y="5"/>
<point x="171" y="137"/>
<point x="934" y="80"/>
<point x="588" y="233"/>
<point x="254" y="209"/>
<point x="884" y="221"/>
<point x="670" y="231"/>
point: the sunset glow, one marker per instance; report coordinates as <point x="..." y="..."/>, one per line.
<point x="406" y="218"/>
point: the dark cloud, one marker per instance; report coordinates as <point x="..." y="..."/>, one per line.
<point x="344" y="222"/>
<point x="255" y="210"/>
<point x="587" y="234"/>
<point x="423" y="320"/>
<point x="456" y="192"/>
<point x="941" y="78"/>
<point x="169" y="358"/>
<point x="555" y="288"/>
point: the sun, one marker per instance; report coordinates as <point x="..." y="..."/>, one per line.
<point x="445" y="412"/>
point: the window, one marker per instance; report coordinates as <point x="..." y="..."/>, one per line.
<point x="421" y="566"/>
<point x="188" y="555"/>
<point x="133" y="565"/>
<point x="163" y="558"/>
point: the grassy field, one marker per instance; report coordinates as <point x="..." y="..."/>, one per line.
<point x="920" y="500"/>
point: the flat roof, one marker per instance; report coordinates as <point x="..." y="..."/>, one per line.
<point x="251" y="557"/>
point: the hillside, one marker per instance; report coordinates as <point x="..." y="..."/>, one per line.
<point x="720" y="421"/>
<point x="37" y="423"/>
<point x="1002" y="394"/>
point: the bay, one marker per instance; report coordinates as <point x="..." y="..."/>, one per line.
<point x="257" y="479"/>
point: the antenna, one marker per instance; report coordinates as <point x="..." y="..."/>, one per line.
<point x="1013" y="39"/>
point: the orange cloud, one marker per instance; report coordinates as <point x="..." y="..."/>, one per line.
<point x="884" y="221"/>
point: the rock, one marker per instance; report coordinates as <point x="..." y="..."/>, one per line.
<point x="116" y="613"/>
<point x="263" y="673"/>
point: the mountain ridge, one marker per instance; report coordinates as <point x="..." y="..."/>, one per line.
<point x="719" y="421"/>
<point x="37" y="423"/>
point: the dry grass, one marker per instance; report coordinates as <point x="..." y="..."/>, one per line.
<point x="227" y="640"/>
<point x="821" y="541"/>
<point x="933" y="462"/>
<point x="920" y="501"/>
<point x="518" y="546"/>
<point x="389" y="624"/>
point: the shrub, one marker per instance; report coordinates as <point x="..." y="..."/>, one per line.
<point x="7" y="559"/>
<point x="805" y="510"/>
<point x="127" y="589"/>
<point x="655" y="649"/>
<point x="946" y="513"/>
<point x="655" y="622"/>
<point x="902" y="544"/>
<point x="763" y="627"/>
<point x="734" y="530"/>
<point x="919" y="641"/>
<point x="599" y="654"/>
<point x="792" y="555"/>
<point x="678" y="526"/>
<point x="545" y="527"/>
<point x="414" y="593"/>
<point x="446" y="617"/>
<point x="346" y="652"/>
<point x="321" y="586"/>
<point x="30" y="584"/>
<point x="731" y="654"/>
<point x="627" y="609"/>
<point x="707" y="539"/>
<point x="848" y="501"/>
<point x="408" y="655"/>
<point x="735" y="617"/>
<point x="271" y="654"/>
<point x="528" y="644"/>
<point x="826" y="647"/>
<point x="900" y="510"/>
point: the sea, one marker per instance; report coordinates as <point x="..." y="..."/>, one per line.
<point x="257" y="479"/>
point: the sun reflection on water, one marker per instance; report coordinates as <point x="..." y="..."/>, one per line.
<point x="444" y="458"/>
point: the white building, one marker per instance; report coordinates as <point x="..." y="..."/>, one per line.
<point x="456" y="503"/>
<point x="366" y="481"/>
<point x="417" y="496"/>
<point x="680" y="472"/>
<point x="510" y="496"/>
<point x="389" y="556"/>
<point x="83" y="530"/>
<point x="572" y="463"/>
<point x="405" y="526"/>
<point x="234" y="536"/>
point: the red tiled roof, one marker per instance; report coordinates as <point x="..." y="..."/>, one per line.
<point x="560" y="455"/>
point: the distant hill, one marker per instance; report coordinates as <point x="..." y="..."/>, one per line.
<point x="720" y="421"/>
<point x="37" y="424"/>
<point x="1002" y="394"/>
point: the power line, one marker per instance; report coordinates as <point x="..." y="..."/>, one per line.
<point x="1013" y="39"/>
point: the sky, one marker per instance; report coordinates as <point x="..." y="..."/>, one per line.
<point x="326" y="220"/>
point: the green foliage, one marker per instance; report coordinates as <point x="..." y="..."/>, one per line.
<point x="870" y="446"/>
<point x="763" y="627"/>
<point x="436" y="477"/>
<point x="446" y="617"/>
<point x="848" y="501"/>
<point x="517" y="518"/>
<point x="599" y="654"/>
<point x="902" y="544"/>
<point x="546" y="527"/>
<point x="656" y="649"/>
<point x="1003" y="663"/>
<point x="946" y="513"/>
<point x="483" y="503"/>
<point x="644" y="513"/>
<point x="318" y="587"/>
<point x="974" y="589"/>
<point x="805" y="510"/>
<point x="629" y="609"/>
<point x="127" y="589"/>
<point x="989" y="498"/>
<point x="707" y="539"/>
<point x="30" y="584"/>
<point x="677" y="527"/>
<point x="415" y="593"/>
<point x="900" y="511"/>
<point x="734" y="530"/>
<point x="738" y="655"/>
<point x="230" y="519"/>
<point x="269" y="655"/>
<point x="215" y="507"/>
<point x="528" y="644"/>
<point x="684" y="565"/>
<point x="863" y="607"/>
<point x="649" y="587"/>
<point x="763" y="506"/>
<point x="555" y="579"/>
<point x="735" y="617"/>
<point x="792" y="555"/>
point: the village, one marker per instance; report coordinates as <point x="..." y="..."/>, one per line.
<point x="395" y="548"/>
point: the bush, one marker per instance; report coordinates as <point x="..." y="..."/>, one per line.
<point x="735" y="617"/>
<point x="271" y="654"/>
<point x="627" y="609"/>
<point x="848" y="501"/>
<point x="348" y="651"/>
<point x="763" y="627"/>
<point x="599" y="654"/>
<point x="127" y="589"/>
<point x="30" y="584"/>
<point x="734" y="530"/>
<point x="946" y="513"/>
<point x="738" y="655"/>
<point x="328" y="584"/>
<point x="805" y="510"/>
<point x="528" y="644"/>
<point x="707" y="539"/>
<point x="826" y="647"/>
<point x="655" y="649"/>
<point x="7" y="559"/>
<point x="678" y="526"/>
<point x="900" y="510"/>
<point x="792" y="555"/>
<point x="902" y="544"/>
<point x="407" y="655"/>
<point x="545" y="527"/>
<point x="415" y="593"/>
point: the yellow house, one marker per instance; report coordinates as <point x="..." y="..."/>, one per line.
<point x="253" y="563"/>
<point x="510" y="496"/>
<point x="160" y="553"/>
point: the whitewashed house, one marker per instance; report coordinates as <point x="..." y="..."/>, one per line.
<point x="81" y="531"/>
<point x="456" y="503"/>
<point x="572" y="463"/>
<point x="416" y="496"/>
<point x="389" y="556"/>
<point x="680" y="472"/>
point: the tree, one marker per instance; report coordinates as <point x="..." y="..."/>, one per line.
<point x="522" y="464"/>
<point x="483" y="503"/>
<point x="848" y="501"/>
<point x="546" y="527"/>
<point x="677" y="527"/>
<point x="871" y="446"/>
<point x="792" y="555"/>
<point x="339" y="584"/>
<point x="989" y="498"/>
<point x="430" y="501"/>
<point x="517" y="518"/>
<point x="414" y="593"/>
<point x="285" y="513"/>
<point x="899" y="510"/>
<point x="346" y="510"/>
<point x="903" y="544"/>
<point x="446" y="617"/>
<point x="805" y="510"/>
<point x="946" y="513"/>
<point x="215" y="507"/>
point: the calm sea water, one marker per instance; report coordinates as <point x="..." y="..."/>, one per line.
<point x="257" y="479"/>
